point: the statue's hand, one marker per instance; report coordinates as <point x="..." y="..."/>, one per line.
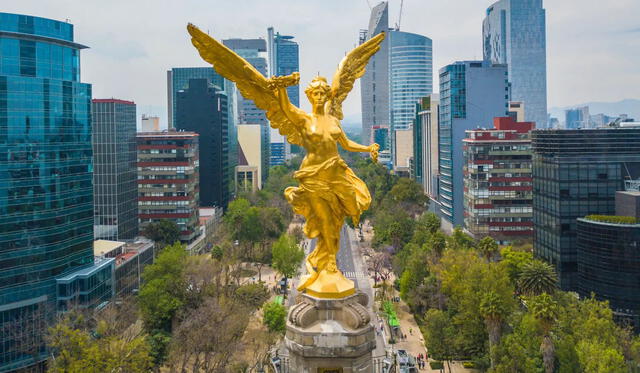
<point x="276" y="82"/>
<point x="373" y="151"/>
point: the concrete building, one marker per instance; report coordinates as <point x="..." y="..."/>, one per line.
<point x="249" y="169"/>
<point x="149" y="124"/>
<point x="115" y="189"/>
<point x="516" y="111"/>
<point x="497" y="181"/>
<point x="514" y="34"/>
<point x="577" y="118"/>
<point x="472" y="93"/>
<point x="130" y="260"/>
<point x="425" y="144"/>
<point x="404" y="151"/>
<point x="168" y="180"/>
<point x="577" y="173"/>
<point x="46" y="188"/>
<point x="397" y="76"/>
<point x="284" y="59"/>
<point x="202" y="108"/>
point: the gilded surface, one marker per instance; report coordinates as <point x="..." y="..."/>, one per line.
<point x="329" y="191"/>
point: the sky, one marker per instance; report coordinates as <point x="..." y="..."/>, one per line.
<point x="593" y="47"/>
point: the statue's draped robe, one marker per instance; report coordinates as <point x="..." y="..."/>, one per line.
<point x="344" y="193"/>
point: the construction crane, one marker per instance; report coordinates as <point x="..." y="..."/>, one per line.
<point x="369" y="4"/>
<point x="400" y="16"/>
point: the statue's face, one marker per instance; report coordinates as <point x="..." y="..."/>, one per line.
<point x="318" y="96"/>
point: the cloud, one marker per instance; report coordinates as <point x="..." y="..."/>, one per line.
<point x="133" y="43"/>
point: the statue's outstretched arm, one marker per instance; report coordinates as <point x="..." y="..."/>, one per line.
<point x="352" y="146"/>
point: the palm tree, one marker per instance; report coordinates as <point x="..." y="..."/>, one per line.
<point x="537" y="277"/>
<point x="488" y="247"/>
<point x="493" y="309"/>
<point x="545" y="310"/>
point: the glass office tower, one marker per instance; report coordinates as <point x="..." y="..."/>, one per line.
<point x="514" y="34"/>
<point x="472" y="93"/>
<point x="576" y="173"/>
<point x="115" y="176"/>
<point x="46" y="194"/>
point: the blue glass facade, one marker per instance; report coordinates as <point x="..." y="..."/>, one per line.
<point x="46" y="195"/>
<point x="514" y="34"/>
<point x="472" y="93"/>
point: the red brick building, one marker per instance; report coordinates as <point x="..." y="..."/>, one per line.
<point x="498" y="193"/>
<point x="168" y="180"/>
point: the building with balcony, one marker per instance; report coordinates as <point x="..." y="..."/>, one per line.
<point x="577" y="173"/>
<point x="497" y="181"/>
<point x="115" y="189"/>
<point x="168" y="180"/>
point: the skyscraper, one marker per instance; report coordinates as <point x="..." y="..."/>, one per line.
<point x="283" y="60"/>
<point x="472" y="93"/>
<point x="202" y="108"/>
<point x="115" y="190"/>
<point x="425" y="144"/>
<point x="514" y="34"/>
<point x="46" y="193"/>
<point x="397" y="76"/>
<point x="253" y="50"/>
<point x="178" y="79"/>
<point x="577" y="118"/>
<point x="576" y="173"/>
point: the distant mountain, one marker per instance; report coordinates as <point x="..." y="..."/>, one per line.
<point x="627" y="106"/>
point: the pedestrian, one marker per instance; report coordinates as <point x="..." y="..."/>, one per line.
<point x="410" y="331"/>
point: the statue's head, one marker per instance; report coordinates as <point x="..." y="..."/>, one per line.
<point x="318" y="91"/>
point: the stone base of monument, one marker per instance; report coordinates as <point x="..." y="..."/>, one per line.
<point x="330" y="335"/>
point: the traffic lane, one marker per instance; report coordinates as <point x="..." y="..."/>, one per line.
<point x="345" y="254"/>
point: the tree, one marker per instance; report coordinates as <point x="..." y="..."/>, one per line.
<point x="77" y="350"/>
<point x="287" y="256"/>
<point x="252" y="295"/>
<point x="162" y="293"/>
<point x="164" y="232"/>
<point x="488" y="248"/>
<point x="537" y="277"/>
<point x="514" y="261"/>
<point x="408" y="195"/>
<point x="381" y="265"/>
<point x="545" y="310"/>
<point x="459" y="240"/>
<point x="494" y="311"/>
<point x="274" y="316"/>
<point x="439" y="333"/>
<point x="392" y="227"/>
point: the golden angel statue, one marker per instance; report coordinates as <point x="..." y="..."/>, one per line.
<point x="329" y="191"/>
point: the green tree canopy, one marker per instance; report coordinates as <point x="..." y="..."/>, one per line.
<point x="274" y="316"/>
<point x="537" y="277"/>
<point x="164" y="232"/>
<point x="287" y="256"/>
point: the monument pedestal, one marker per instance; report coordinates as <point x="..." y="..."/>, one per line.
<point x="330" y="335"/>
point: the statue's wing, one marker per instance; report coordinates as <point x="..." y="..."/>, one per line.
<point x="351" y="68"/>
<point x="251" y="83"/>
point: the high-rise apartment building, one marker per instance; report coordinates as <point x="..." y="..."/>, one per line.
<point x="514" y="34"/>
<point x="577" y="173"/>
<point x="115" y="190"/>
<point x="284" y="59"/>
<point x="397" y="76"/>
<point x="425" y="144"/>
<point x="202" y="108"/>
<point x="472" y="93"/>
<point x="46" y="192"/>
<point x="254" y="51"/>
<point x="497" y="181"/>
<point x="577" y="118"/>
<point x="168" y="185"/>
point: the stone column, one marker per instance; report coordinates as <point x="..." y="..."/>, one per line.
<point x="330" y="335"/>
